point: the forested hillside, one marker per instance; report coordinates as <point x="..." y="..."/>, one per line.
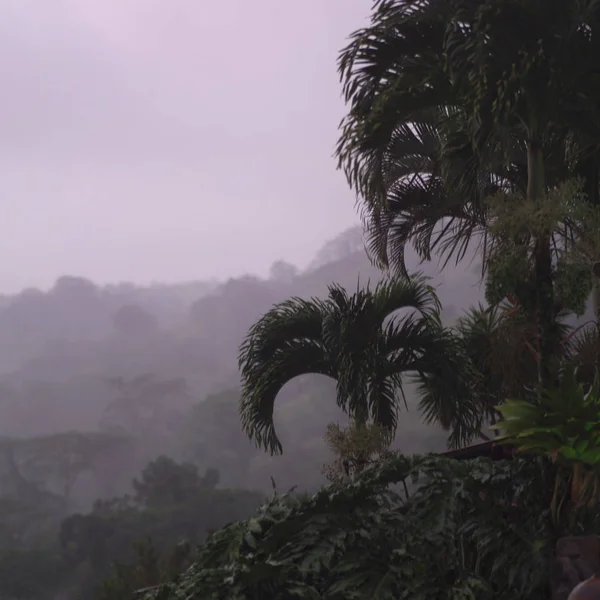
<point x="68" y="345"/>
<point x="284" y="436"/>
<point x="100" y="381"/>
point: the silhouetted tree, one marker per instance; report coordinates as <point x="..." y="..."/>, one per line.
<point x="283" y="271"/>
<point x="132" y="320"/>
<point x="164" y="483"/>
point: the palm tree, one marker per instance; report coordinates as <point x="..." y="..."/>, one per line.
<point x="444" y="105"/>
<point x="496" y="341"/>
<point x="495" y="345"/>
<point x="357" y="340"/>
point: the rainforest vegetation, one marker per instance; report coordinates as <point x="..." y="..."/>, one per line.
<point x="286" y="437"/>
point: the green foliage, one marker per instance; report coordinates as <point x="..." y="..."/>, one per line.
<point x="173" y="502"/>
<point x="58" y="460"/>
<point x="469" y="530"/>
<point x="166" y="483"/>
<point x="515" y="226"/>
<point x="357" y="340"/>
<point x="207" y="425"/>
<point x="354" y="448"/>
<point x="149" y="570"/>
<point x="498" y="360"/>
<point x="563" y="424"/>
<point x="495" y="342"/>
<point x="573" y="284"/>
<point x="509" y="274"/>
<point x="32" y="574"/>
<point x="498" y="345"/>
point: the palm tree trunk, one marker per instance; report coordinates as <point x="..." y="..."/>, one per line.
<point x="542" y="256"/>
<point x="596" y="305"/>
<point x="546" y="318"/>
<point x="361" y="416"/>
<point x="589" y="170"/>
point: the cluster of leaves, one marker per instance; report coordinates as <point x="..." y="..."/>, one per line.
<point x="172" y="502"/>
<point x="354" y="448"/>
<point x="147" y="572"/>
<point x="469" y="529"/>
<point x="166" y="483"/>
<point x="514" y="227"/>
<point x="564" y="424"/>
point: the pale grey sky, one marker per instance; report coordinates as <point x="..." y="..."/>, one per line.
<point x="169" y="139"/>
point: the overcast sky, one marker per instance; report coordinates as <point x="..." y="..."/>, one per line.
<point x="165" y="140"/>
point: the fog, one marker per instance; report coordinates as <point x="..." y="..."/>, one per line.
<point x="186" y="143"/>
<point x="144" y="140"/>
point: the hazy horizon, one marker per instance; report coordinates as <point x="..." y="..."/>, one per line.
<point x="147" y="141"/>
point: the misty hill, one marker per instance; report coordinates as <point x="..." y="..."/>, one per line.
<point x="225" y="314"/>
<point x="67" y="347"/>
<point x="190" y="329"/>
<point x="75" y="309"/>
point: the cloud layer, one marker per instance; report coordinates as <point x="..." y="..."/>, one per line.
<point x="151" y="140"/>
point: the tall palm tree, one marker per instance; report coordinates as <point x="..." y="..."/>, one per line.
<point x="518" y="111"/>
<point x="357" y="340"/>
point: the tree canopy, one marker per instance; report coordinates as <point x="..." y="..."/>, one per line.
<point x="359" y="341"/>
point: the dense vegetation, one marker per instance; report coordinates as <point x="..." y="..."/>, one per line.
<point x="87" y="413"/>
<point x="447" y="539"/>
<point x="460" y="141"/>
<point x="458" y="136"/>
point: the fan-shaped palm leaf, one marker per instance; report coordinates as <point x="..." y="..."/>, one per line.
<point x="357" y="340"/>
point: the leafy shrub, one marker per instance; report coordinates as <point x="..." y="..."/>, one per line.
<point x="562" y="423"/>
<point x="149" y="569"/>
<point x="476" y="529"/>
<point x="354" y="448"/>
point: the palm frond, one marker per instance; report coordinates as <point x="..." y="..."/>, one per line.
<point x="285" y="343"/>
<point x="293" y="319"/>
<point x="350" y="338"/>
<point x="262" y="382"/>
<point x="393" y="294"/>
<point x="454" y="409"/>
<point x="582" y="349"/>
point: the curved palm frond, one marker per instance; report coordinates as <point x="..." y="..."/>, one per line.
<point x="383" y="396"/>
<point x="405" y="146"/>
<point x="454" y="409"/>
<point x="496" y="346"/>
<point x="414" y="292"/>
<point x="285" y="343"/>
<point x="289" y="320"/>
<point x="389" y="138"/>
<point x="442" y="370"/>
<point x="368" y="367"/>
<point x="544" y="76"/>
<point x="495" y="359"/>
<point x="261" y="386"/>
